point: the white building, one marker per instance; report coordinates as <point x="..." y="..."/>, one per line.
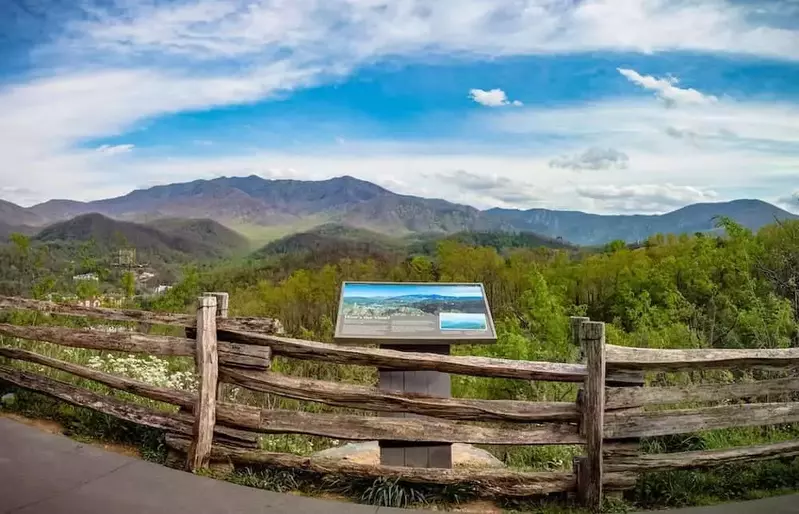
<point x="161" y="289"/>
<point x="86" y="276"/>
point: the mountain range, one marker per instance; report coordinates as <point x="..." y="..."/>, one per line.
<point x="281" y="207"/>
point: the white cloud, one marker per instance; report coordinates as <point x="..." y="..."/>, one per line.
<point x="646" y="197"/>
<point x="789" y="202"/>
<point x="492" y="98"/>
<point x="624" y="123"/>
<point x="114" y="149"/>
<point x="666" y="90"/>
<point x="592" y="159"/>
<point x="505" y="190"/>
<point x="365" y="29"/>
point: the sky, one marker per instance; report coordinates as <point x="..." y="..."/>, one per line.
<point x="607" y="106"/>
<point x="391" y="290"/>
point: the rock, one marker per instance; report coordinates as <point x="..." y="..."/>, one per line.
<point x="463" y="455"/>
<point x="8" y="399"/>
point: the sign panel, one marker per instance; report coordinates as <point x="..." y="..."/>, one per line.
<point x="414" y="312"/>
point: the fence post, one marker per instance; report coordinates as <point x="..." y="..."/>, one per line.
<point x="576" y="322"/>
<point x="589" y="476"/>
<point x="222" y="303"/>
<point x="207" y="362"/>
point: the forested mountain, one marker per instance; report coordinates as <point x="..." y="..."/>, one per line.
<point x="332" y="239"/>
<point x="331" y="242"/>
<point x="203" y="231"/>
<point x="178" y="239"/>
<point x="289" y="204"/>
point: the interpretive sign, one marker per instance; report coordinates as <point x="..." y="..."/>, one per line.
<point x="439" y="313"/>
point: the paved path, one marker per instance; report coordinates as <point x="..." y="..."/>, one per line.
<point x="776" y="505"/>
<point x="42" y="473"/>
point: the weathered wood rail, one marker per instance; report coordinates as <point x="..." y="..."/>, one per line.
<point x="608" y="415"/>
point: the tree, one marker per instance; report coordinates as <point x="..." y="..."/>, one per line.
<point x="129" y="284"/>
<point x="87" y="289"/>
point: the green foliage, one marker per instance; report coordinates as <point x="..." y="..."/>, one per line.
<point x="86" y="289"/>
<point x="129" y="284"/>
<point x="728" y="483"/>
<point x="21" y="242"/>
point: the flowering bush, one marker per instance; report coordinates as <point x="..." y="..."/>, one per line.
<point x="147" y="369"/>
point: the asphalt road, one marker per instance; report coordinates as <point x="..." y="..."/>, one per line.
<point x="42" y="473"/>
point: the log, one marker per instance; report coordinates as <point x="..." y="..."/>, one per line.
<point x="128" y="342"/>
<point x="266" y="325"/>
<point x="702" y="459"/>
<point x="230" y="354"/>
<point x="612" y="450"/>
<point x="411" y="361"/>
<point x="199" y="454"/>
<point x="589" y="479"/>
<point x="243" y="417"/>
<point x="228" y="414"/>
<point x="623" y="424"/>
<point x="487" y="483"/>
<point x="624" y="358"/>
<point x="370" y="398"/>
<point x="624" y="398"/>
<point x="420" y="430"/>
<point x="172" y="422"/>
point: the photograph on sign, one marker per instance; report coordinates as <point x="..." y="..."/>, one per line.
<point x="414" y="311"/>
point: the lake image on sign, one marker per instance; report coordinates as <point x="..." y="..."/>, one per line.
<point x="462" y="321"/>
<point x="382" y="300"/>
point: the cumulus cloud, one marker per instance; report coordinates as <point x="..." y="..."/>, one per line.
<point x="666" y="89"/>
<point x="789" y="202"/>
<point x="504" y="189"/>
<point x="492" y="98"/>
<point x="592" y="159"/>
<point x="646" y="197"/>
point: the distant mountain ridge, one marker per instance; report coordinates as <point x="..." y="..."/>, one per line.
<point x="351" y="202"/>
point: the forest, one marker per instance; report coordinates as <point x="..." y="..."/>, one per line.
<point x="732" y="289"/>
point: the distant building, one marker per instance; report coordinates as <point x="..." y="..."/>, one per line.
<point x="126" y="257"/>
<point x="86" y="276"/>
<point x="145" y="276"/>
<point x="160" y="289"/>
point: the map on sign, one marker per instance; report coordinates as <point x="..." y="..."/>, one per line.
<point x="414" y="312"/>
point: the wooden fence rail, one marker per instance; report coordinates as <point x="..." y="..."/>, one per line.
<point x="608" y="415"/>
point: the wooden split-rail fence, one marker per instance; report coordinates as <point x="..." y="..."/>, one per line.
<point x="610" y="415"/>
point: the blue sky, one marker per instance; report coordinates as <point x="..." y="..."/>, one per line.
<point x="597" y="105"/>
<point x="384" y="290"/>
